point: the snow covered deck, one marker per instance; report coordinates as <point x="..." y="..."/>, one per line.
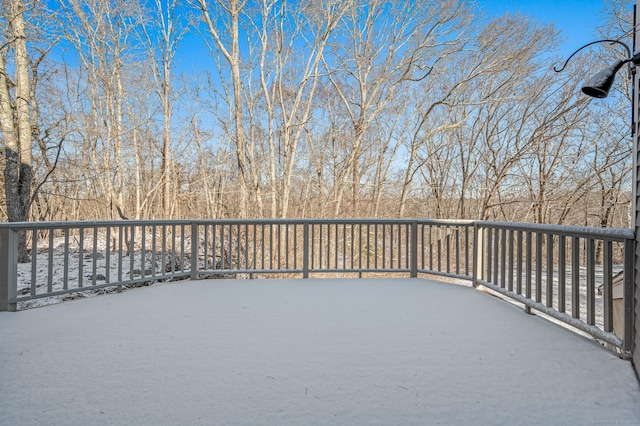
<point x="300" y="352"/>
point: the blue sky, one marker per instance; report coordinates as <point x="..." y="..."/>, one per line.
<point x="577" y="19"/>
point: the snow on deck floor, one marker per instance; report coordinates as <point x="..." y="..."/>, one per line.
<point x="302" y="352"/>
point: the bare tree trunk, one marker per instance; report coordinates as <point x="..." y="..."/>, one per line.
<point x="162" y="43"/>
<point x="16" y="127"/>
<point x="232" y="55"/>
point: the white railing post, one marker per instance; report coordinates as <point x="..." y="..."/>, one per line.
<point x="8" y="268"/>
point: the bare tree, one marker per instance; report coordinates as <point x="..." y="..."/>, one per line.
<point x="483" y="102"/>
<point x="290" y="35"/>
<point x="102" y="34"/>
<point x="227" y="42"/>
<point x="21" y="57"/>
<point x="16" y="121"/>
<point x="163" y="29"/>
<point x="387" y="46"/>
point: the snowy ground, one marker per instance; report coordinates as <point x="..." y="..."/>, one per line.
<point x="302" y="352"/>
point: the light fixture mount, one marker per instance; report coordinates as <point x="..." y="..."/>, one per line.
<point x="598" y="86"/>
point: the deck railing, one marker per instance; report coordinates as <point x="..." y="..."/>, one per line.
<point x="579" y="276"/>
<point x="333" y="246"/>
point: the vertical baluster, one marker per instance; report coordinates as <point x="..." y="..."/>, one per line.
<point x="107" y="254"/>
<point x="400" y="245"/>
<point x="439" y="246"/>
<point x="223" y="257"/>
<point x="195" y="234"/>
<point x="538" y="267"/>
<point x="163" y="252"/>
<point x="368" y="251"/>
<point x="338" y="247"/>
<point x="225" y="246"/>
<point x="263" y="264"/>
<point x="286" y="249"/>
<point x="182" y="248"/>
<point x="496" y="258"/>
<point x="519" y="260"/>
<point x="65" y="279"/>
<point x="575" y="277"/>
<point x="384" y="245"/>
<point x="94" y="256"/>
<point x="365" y="247"/>
<point x="511" y="260"/>
<point x="457" y="256"/>
<point x="431" y="247"/>
<point x="279" y="250"/>
<point x="607" y="283"/>
<point x="467" y="270"/>
<point x="50" y="262"/>
<point x="591" y="282"/>
<point x="344" y="246"/>
<point x="81" y="256"/>
<point x="328" y="245"/>
<point x="447" y="241"/>
<point x="154" y="249"/>
<point x="375" y="248"/>
<point x="391" y="253"/>
<point x="360" y="247"/>
<point x="132" y="252"/>
<point x="143" y="254"/>
<point x="312" y="245"/>
<point x="353" y="245"/>
<point x="503" y="258"/>
<point x="528" y="273"/>
<point x="34" y="261"/>
<point x="215" y="254"/>
<point x="243" y="249"/>
<point x="407" y="246"/>
<point x="562" y="270"/>
<point x="489" y="263"/>
<point x="549" y="270"/>
<point x="234" y="246"/>
<point x="305" y="249"/>
<point x="205" y="249"/>
<point x="120" y="250"/>
<point x="320" y="252"/>
<point x="295" y="245"/>
<point x="255" y="247"/>
<point x="422" y="245"/>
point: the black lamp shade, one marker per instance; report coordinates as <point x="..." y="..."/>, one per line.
<point x="599" y="85"/>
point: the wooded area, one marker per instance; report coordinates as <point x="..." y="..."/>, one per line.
<point x="328" y="108"/>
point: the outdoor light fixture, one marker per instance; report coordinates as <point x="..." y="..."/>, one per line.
<point x="599" y="85"/>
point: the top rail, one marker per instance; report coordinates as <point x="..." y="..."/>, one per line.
<point x="159" y="222"/>
<point x="617" y="234"/>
